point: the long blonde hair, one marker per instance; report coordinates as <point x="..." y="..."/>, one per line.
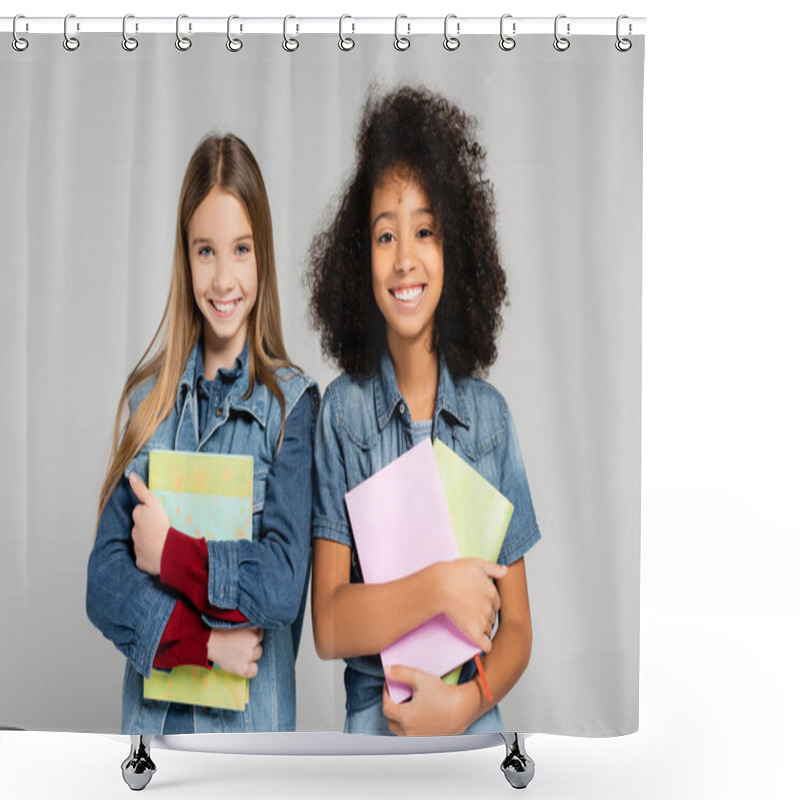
<point x="226" y="162"/>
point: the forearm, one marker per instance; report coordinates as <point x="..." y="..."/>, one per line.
<point x="504" y="665"/>
<point x="128" y="606"/>
<point x="265" y="579"/>
<point x="185" y="639"/>
<point x="358" y="619"/>
<point x="184" y="567"/>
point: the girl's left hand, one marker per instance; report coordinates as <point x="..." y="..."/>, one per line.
<point x="435" y="708"/>
<point x="150" y="527"/>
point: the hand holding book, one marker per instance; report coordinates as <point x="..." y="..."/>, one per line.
<point x="150" y="526"/>
<point x="236" y="650"/>
<point x="435" y="708"/>
<point x="424" y="510"/>
<point x="470" y="596"/>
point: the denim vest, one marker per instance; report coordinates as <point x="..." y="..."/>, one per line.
<point x="364" y="425"/>
<point x="266" y="579"/>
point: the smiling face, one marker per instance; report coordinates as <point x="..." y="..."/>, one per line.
<point x="224" y="272"/>
<point x="407" y="258"/>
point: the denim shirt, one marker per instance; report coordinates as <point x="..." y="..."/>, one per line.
<point x="211" y="394"/>
<point x="364" y="425"/>
<point x="266" y="578"/>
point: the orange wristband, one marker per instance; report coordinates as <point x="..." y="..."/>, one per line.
<point x="485" y="683"/>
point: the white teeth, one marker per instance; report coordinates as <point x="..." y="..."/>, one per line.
<point x="408" y="294"/>
<point x="224" y="308"/>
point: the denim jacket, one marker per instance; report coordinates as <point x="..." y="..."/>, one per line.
<point x="364" y="425"/>
<point x="266" y="578"/>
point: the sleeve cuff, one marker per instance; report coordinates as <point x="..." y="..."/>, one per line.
<point x="223" y="575"/>
<point x="187" y="563"/>
<point x="184" y="641"/>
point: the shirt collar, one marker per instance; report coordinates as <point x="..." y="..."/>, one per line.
<point x="256" y="404"/>
<point x="387" y="393"/>
<point x="227" y="375"/>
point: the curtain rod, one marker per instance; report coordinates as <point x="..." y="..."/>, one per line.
<point x="461" y="26"/>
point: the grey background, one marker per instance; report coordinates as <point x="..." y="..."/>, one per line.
<point x="93" y="149"/>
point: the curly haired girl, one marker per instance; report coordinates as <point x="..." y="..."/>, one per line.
<point x="407" y="290"/>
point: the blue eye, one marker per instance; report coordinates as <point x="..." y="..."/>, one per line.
<point x="205" y="251"/>
<point x="242" y="249"/>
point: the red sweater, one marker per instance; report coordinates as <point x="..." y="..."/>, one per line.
<point x="184" y="566"/>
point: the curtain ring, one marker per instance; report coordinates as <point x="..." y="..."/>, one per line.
<point x="18" y="43"/>
<point x="622" y="44"/>
<point x="70" y="42"/>
<point x="346" y="42"/>
<point x="561" y="43"/>
<point x="451" y="42"/>
<point x="129" y="43"/>
<point x="401" y="42"/>
<point x="233" y="44"/>
<point x="182" y="42"/>
<point x="507" y="42"/>
<point x="290" y="44"/>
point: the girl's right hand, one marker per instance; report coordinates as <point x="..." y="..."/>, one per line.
<point x="470" y="597"/>
<point x="236" y="650"/>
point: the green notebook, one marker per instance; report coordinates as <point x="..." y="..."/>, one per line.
<point x="479" y="513"/>
<point x="207" y="496"/>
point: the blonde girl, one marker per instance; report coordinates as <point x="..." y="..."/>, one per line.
<point x="216" y="378"/>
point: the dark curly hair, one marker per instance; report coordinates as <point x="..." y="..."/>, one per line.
<point x="423" y="135"/>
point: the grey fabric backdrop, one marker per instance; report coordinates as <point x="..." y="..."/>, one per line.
<point x="93" y="150"/>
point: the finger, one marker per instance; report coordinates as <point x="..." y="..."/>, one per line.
<point x="257" y="653"/>
<point x="391" y="710"/>
<point x="485" y="644"/>
<point x="407" y="675"/>
<point x="494" y="570"/>
<point x="388" y="706"/>
<point x="139" y="489"/>
<point x="384" y="698"/>
<point x="252" y="671"/>
<point x="259" y="633"/>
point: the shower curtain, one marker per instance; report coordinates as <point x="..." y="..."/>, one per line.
<point x="95" y="143"/>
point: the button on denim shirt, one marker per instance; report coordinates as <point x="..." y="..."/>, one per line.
<point x="266" y="578"/>
<point x="364" y="425"/>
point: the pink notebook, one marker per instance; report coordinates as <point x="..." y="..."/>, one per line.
<point x="401" y="524"/>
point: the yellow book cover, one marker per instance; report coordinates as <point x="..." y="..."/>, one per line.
<point x="479" y="513"/>
<point x="210" y="496"/>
